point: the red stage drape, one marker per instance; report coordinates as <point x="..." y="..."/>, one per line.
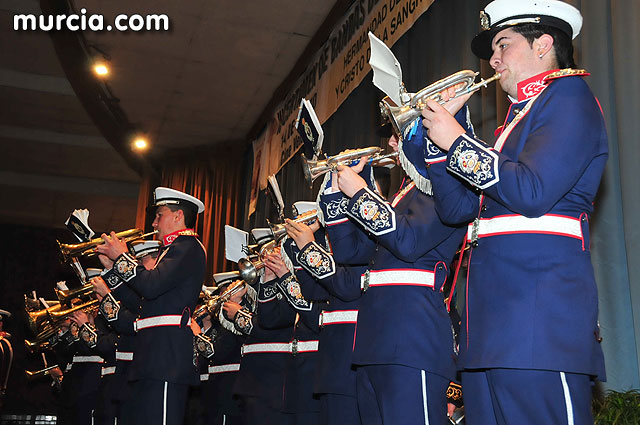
<point x="215" y="177"/>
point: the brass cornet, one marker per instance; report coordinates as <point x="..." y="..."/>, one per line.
<point x="278" y="231"/>
<point x="87" y="306"/>
<point x="44" y="339"/>
<point x="213" y="303"/>
<point x="36" y="319"/>
<point x="401" y="116"/>
<point x="89" y="248"/>
<point x="48" y="318"/>
<point x="313" y="169"/>
<point x="249" y="267"/>
<point x="67" y="296"/>
<point x="39" y="373"/>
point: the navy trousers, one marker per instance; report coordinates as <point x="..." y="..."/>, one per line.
<point x="526" y="397"/>
<point x="339" y="409"/>
<point x="159" y="402"/>
<point x="400" y="395"/>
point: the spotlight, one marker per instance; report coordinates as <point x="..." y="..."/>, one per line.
<point x="100" y="69"/>
<point x="140" y="144"/>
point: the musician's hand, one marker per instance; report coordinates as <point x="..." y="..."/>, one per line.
<point x="112" y="246"/>
<point x="334" y="181"/>
<point x="360" y="165"/>
<point x="275" y="264"/>
<point x="80" y="317"/>
<point x="237" y="297"/>
<point x="99" y="287"/>
<point x="107" y="262"/>
<point x="268" y="275"/>
<point x="230" y="309"/>
<point x="206" y="322"/>
<point x="299" y="232"/>
<point x="56" y="373"/>
<point x="450" y="409"/>
<point x="442" y="127"/>
<point x="195" y="328"/>
<point x="349" y="181"/>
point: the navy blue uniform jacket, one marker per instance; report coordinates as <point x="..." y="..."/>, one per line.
<point x="403" y="324"/>
<point x="532" y="298"/>
<point x="165" y="353"/>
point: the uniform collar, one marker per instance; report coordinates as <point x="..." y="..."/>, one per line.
<point x="534" y="85"/>
<point x="168" y="239"/>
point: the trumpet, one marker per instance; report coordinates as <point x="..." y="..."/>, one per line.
<point x="249" y="267"/>
<point x="278" y="231"/>
<point x="401" y="116"/>
<point x="69" y="251"/>
<point x="36" y="319"/>
<point x="38" y="373"/>
<point x="45" y="320"/>
<point x="67" y="296"/>
<point x="45" y="339"/>
<point x="313" y="169"/>
<point x="213" y="303"/>
<point x="87" y="307"/>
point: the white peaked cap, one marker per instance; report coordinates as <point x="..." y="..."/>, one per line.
<point x="501" y="14"/>
<point x="166" y="196"/>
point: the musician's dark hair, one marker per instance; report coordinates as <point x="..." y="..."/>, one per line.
<point x="562" y="45"/>
<point x="189" y="213"/>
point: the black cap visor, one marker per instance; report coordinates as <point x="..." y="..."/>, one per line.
<point x="481" y="43"/>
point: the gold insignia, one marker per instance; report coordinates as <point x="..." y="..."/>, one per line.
<point x="565" y="73"/>
<point x="454" y="391"/>
<point x="485" y="21"/>
<point x="307" y="130"/>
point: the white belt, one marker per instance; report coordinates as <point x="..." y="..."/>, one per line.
<point x="124" y="355"/>
<point x="108" y="370"/>
<point x="338" y="317"/>
<point x="512" y="224"/>
<point x="293" y="347"/>
<point x="231" y="367"/>
<point x="152" y="322"/>
<point x="400" y="277"/>
<point x="88" y="359"/>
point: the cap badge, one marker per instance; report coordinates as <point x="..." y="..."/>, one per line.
<point x="485" y="21"/>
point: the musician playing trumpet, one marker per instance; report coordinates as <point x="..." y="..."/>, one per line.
<point x="162" y="364"/>
<point x="404" y="351"/>
<point x="531" y="316"/>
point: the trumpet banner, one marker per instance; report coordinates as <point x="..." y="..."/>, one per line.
<point x="332" y="74"/>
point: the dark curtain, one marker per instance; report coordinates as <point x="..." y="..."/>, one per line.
<point x="608" y="47"/>
<point x="29" y="261"/>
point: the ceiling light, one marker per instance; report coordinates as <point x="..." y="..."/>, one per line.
<point x="140" y="144"/>
<point x="100" y="69"/>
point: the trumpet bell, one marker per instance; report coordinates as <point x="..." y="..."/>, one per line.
<point x="398" y="116"/>
<point x="308" y="170"/>
<point x="277" y="230"/>
<point x="402" y="116"/>
<point x="36" y="319"/>
<point x="249" y="270"/>
<point x="314" y="169"/>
